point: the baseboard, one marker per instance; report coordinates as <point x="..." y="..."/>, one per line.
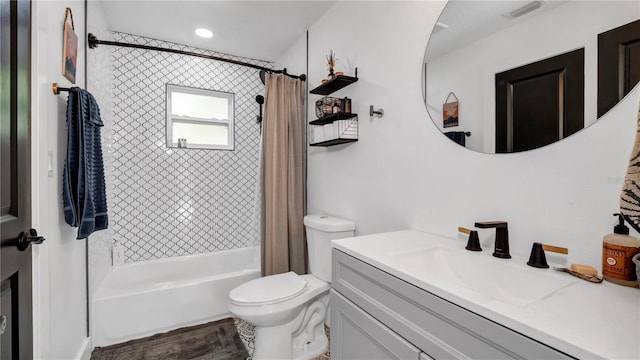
<point x="85" y="350"/>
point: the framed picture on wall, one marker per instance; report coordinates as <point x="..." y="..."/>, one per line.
<point x="70" y="49"/>
<point x="450" y="114"/>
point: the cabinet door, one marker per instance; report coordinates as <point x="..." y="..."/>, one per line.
<point x="355" y="335"/>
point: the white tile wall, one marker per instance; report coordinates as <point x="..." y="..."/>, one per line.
<point x="172" y="202"/>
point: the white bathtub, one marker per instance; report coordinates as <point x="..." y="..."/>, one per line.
<point x="144" y="298"/>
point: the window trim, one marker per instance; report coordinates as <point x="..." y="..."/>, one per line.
<point x="171" y="88"/>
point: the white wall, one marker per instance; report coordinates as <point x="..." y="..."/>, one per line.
<point x="470" y="71"/>
<point x="403" y="173"/>
<point x="294" y="59"/>
<point x="59" y="263"/>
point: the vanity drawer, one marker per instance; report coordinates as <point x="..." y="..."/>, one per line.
<point x="363" y="337"/>
<point x="439" y="328"/>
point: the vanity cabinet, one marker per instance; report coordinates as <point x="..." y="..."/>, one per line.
<point x="363" y="337"/>
<point x="338" y="127"/>
<point x="372" y="310"/>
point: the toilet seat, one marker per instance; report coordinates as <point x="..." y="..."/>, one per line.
<point x="268" y="290"/>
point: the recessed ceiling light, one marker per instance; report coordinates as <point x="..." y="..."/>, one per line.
<point x="205" y="33"/>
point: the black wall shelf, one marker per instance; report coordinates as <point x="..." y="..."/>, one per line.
<point x="342" y="132"/>
<point x="328" y="119"/>
<point x="334" y="142"/>
<point x="335" y="84"/>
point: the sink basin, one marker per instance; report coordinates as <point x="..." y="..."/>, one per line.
<point x="499" y="279"/>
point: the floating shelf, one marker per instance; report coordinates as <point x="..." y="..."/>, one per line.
<point x="334" y="133"/>
<point x="338" y="128"/>
<point x="334" y="142"/>
<point x="335" y="84"/>
<point x="328" y="119"/>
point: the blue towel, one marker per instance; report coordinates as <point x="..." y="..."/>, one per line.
<point x="83" y="186"/>
<point x="457" y="136"/>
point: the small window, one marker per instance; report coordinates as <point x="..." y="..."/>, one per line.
<point x="199" y="118"/>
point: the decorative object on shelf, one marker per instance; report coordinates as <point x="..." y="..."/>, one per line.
<point x="332" y="85"/>
<point x="379" y="113"/>
<point x="346" y="105"/>
<point x="328" y="105"/>
<point x="70" y="48"/>
<point x="331" y="63"/>
<point x="450" y="111"/>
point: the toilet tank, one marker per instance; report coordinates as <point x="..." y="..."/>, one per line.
<point x="321" y="229"/>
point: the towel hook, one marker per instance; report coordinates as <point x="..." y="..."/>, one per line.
<point x="56" y="89"/>
<point x="379" y="112"/>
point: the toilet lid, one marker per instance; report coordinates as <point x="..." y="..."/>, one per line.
<point x="269" y="289"/>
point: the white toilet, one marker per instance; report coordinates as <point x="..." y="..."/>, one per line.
<point x="289" y="310"/>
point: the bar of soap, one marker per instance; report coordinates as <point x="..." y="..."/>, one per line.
<point x="584" y="269"/>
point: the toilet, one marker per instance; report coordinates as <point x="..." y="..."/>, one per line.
<point x="289" y="310"/>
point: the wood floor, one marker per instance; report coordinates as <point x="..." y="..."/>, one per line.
<point x="217" y="340"/>
<point x="226" y="339"/>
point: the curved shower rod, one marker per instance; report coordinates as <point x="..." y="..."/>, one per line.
<point x="94" y="42"/>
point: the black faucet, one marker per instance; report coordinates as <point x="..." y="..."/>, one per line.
<point x="502" y="237"/>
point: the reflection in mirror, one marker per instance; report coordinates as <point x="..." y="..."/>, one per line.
<point x="525" y="73"/>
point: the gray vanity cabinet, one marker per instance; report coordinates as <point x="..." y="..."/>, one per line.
<point x="383" y="317"/>
<point x="361" y="337"/>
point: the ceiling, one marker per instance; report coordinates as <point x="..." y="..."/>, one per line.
<point x="254" y="29"/>
<point x="471" y="20"/>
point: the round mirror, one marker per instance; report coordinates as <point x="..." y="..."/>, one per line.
<point x="510" y="76"/>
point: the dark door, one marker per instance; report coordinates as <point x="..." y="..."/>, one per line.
<point x="618" y="64"/>
<point x="15" y="217"/>
<point x="540" y="103"/>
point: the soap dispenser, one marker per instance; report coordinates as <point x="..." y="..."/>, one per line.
<point x="617" y="251"/>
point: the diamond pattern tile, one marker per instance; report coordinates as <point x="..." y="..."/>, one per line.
<point x="172" y="202"/>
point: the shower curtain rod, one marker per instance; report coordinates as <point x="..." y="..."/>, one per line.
<point x="94" y="42"/>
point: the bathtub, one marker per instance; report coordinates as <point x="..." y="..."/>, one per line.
<point x="144" y="298"/>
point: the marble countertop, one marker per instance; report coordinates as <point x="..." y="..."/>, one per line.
<point x="585" y="320"/>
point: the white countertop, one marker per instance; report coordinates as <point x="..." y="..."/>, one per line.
<point x="585" y="320"/>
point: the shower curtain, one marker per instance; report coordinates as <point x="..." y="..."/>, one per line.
<point x="283" y="177"/>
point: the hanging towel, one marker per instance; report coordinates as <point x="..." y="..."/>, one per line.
<point x="83" y="186"/>
<point x="457" y="136"/>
